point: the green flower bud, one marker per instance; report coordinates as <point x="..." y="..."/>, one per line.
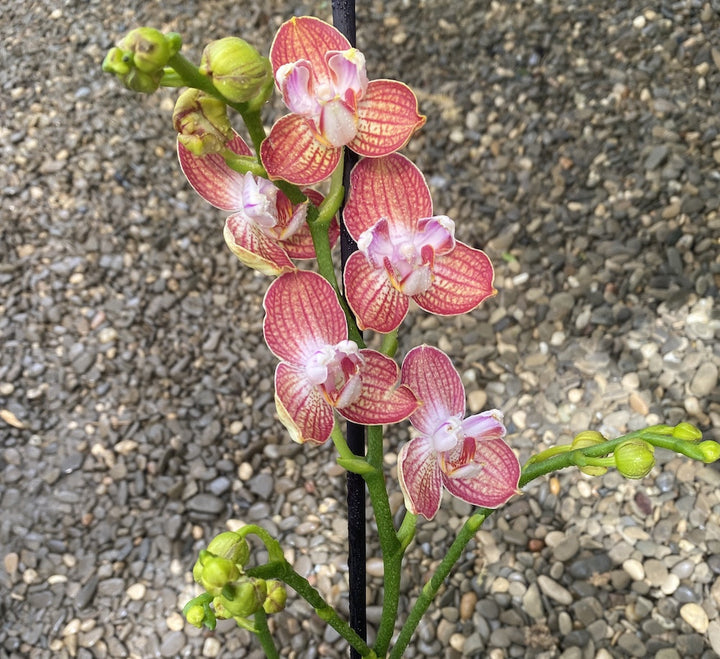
<point x="276" y="596"/>
<point x="710" y="450"/>
<point x="232" y="546"/>
<point x="150" y="48"/>
<point x="195" y="615"/>
<point x="687" y="432"/>
<point x="585" y="439"/>
<point x="237" y="70"/>
<point x="215" y="572"/>
<point x="139" y="58"/>
<point x="241" y="599"/>
<point x="635" y="458"/>
<point x="201" y="122"/>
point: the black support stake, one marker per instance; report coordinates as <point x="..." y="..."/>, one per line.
<point x="344" y="21"/>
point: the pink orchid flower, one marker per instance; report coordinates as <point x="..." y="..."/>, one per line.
<point x="468" y="457"/>
<point x="265" y="229"/>
<point x="404" y="251"/>
<point x="325" y="87"/>
<point x="320" y="369"/>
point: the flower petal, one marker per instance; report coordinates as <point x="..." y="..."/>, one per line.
<point x="388" y="116"/>
<point x="299" y="244"/>
<point x="301" y="407"/>
<point x="292" y="152"/>
<point x="420" y="477"/>
<point x="375" y="303"/>
<point x="390" y="187"/>
<point x="433" y="379"/>
<point x="212" y="179"/>
<point x="255" y="248"/>
<point x="462" y="280"/>
<point x="381" y="399"/>
<point x="497" y="481"/>
<point x="302" y="313"/>
<point x="306" y="38"/>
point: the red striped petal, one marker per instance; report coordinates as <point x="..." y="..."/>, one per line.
<point x="390" y="187"/>
<point x="387" y="117"/>
<point x="375" y="303"/>
<point x="462" y="280"/>
<point x="302" y="313"/>
<point x="212" y="179"/>
<point x="420" y="477"/>
<point x="433" y="379"/>
<point x="301" y="407"/>
<point x="291" y="152"/>
<point x="254" y="248"/>
<point x="306" y="38"/>
<point x="381" y="400"/>
<point x="497" y="481"/>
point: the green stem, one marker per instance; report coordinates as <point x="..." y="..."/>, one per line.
<point x="281" y="569"/>
<point x="392" y="549"/>
<point x="431" y="588"/>
<point x="389" y="344"/>
<point x="263" y="633"/>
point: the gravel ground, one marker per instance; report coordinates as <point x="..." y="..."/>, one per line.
<point x="578" y="143"/>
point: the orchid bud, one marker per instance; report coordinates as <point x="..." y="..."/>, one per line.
<point x="150" y="48"/>
<point x="635" y="458"/>
<point x="195" y="615"/>
<point x="241" y="599"/>
<point x="237" y="70"/>
<point x="584" y="440"/>
<point x="201" y="122"/>
<point x="214" y="572"/>
<point x="140" y="57"/>
<point x="687" y="432"/>
<point x="232" y="546"/>
<point x="276" y="596"/>
<point x="710" y="451"/>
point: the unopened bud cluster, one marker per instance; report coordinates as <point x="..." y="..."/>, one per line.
<point x="140" y="57"/>
<point x="219" y="569"/>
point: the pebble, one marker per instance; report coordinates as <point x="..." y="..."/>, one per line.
<point x="695" y="616"/>
<point x="554" y="590"/>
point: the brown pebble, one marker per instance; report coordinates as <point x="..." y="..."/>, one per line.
<point x="467" y="605"/>
<point x="535" y="545"/>
<point x="554" y="486"/>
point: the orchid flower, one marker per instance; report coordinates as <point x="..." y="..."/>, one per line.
<point x="320" y="369"/>
<point x="468" y="457"/>
<point x="404" y="251"/>
<point x="324" y="85"/>
<point x="265" y="229"/>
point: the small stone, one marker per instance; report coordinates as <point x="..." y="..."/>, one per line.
<point x="374" y="567"/>
<point x="172" y="644"/>
<point x="656" y="156"/>
<point x="554" y="590"/>
<point x="656" y="572"/>
<point x="566" y="550"/>
<point x="705" y="379"/>
<point x="695" y="616"/>
<point x="467" y="605"/>
<point x="211" y="647"/>
<point x="136" y="591"/>
<point x="634" y="568"/>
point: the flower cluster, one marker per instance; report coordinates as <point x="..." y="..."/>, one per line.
<point x="404" y="252"/>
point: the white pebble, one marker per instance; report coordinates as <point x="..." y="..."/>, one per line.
<point x="136" y="591"/>
<point x="634" y="568"/>
<point x="695" y="616"/>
